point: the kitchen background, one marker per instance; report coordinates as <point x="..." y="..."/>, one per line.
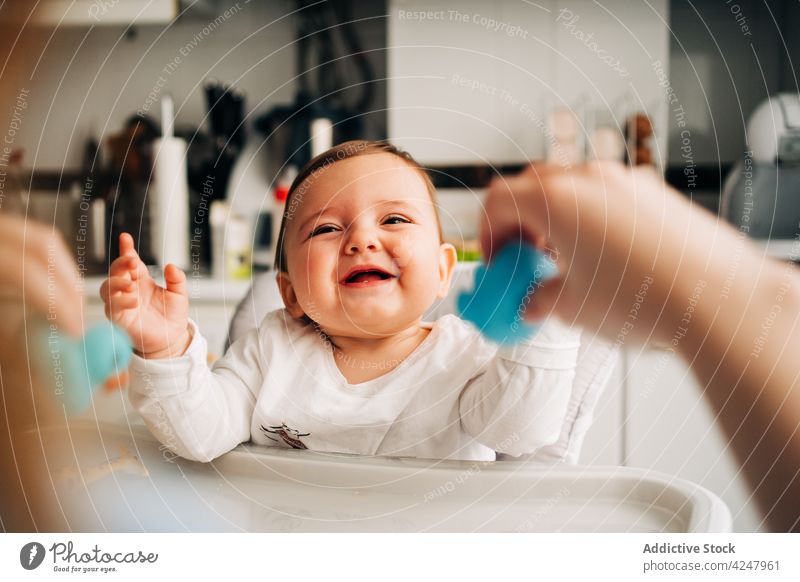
<point x="92" y="77"/>
<point x="468" y="87"/>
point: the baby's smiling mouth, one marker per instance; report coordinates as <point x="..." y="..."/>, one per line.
<point x="366" y="276"/>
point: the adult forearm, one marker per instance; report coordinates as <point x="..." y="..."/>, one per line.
<point x="743" y="348"/>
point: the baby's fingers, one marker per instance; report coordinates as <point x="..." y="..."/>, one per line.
<point x="123" y="266"/>
<point x="114" y="285"/>
<point x="129" y="266"/>
<point x="120" y="303"/>
<point x="119" y="295"/>
<point x="175" y="279"/>
<point x="126" y="246"/>
<point x="128" y="261"/>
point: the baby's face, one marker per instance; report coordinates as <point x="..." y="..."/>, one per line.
<point x="363" y="254"/>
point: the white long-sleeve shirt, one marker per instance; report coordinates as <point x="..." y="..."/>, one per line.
<point x="456" y="396"/>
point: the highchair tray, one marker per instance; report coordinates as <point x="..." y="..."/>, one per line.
<point x="119" y="478"/>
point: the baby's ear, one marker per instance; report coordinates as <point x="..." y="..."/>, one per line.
<point x="289" y="296"/>
<point x="447" y="266"/>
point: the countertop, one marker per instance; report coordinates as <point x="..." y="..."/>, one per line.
<point x="207" y="288"/>
<point x="203" y="288"/>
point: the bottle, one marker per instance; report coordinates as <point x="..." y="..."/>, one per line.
<point x="231" y="243"/>
<point x="238" y="249"/>
<point x="218" y="214"/>
<point x="281" y="192"/>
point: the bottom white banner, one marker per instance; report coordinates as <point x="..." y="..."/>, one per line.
<point x="401" y="556"/>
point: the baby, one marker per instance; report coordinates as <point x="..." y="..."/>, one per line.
<point x="348" y="366"/>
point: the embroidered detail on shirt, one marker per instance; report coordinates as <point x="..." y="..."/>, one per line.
<point x="290" y="436"/>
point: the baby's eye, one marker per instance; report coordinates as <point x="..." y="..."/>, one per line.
<point x="395" y="219"/>
<point x="325" y="229"/>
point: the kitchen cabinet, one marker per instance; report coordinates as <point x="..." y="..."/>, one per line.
<point x="669" y="427"/>
<point x="653" y="416"/>
<point x="106" y="12"/>
<point x="474" y="82"/>
<point x="603" y="444"/>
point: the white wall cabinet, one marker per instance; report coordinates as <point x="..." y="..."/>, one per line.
<point x="669" y="427"/>
<point x="106" y="12"/>
<point x="473" y="81"/>
<point x="653" y="415"/>
<point x="604" y="442"/>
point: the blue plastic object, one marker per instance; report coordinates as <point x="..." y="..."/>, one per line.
<point x="74" y="369"/>
<point x="496" y="303"/>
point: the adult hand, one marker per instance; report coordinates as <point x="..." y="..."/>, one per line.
<point x="621" y="237"/>
<point x="37" y="266"/>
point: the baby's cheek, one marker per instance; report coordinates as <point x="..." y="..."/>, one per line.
<point x="312" y="299"/>
<point x="304" y="269"/>
<point x="404" y="251"/>
<point x="423" y="277"/>
<point x="317" y="259"/>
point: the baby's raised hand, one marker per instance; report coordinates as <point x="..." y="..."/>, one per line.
<point x="156" y="318"/>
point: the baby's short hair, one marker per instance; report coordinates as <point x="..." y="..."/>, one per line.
<point x="343" y="151"/>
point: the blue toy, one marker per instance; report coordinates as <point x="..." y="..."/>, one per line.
<point x="495" y="305"/>
<point x="73" y="369"/>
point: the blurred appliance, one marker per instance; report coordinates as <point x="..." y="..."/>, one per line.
<point x="333" y="99"/>
<point x="761" y="195"/>
<point x="211" y="159"/>
<point x="122" y="175"/>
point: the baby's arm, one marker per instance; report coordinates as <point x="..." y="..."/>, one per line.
<point x="517" y="405"/>
<point x="196" y="412"/>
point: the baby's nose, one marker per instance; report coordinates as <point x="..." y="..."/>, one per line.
<point x="362" y="240"/>
<point x="368" y="246"/>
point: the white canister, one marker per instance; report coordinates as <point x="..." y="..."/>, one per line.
<point x="169" y="203"/>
